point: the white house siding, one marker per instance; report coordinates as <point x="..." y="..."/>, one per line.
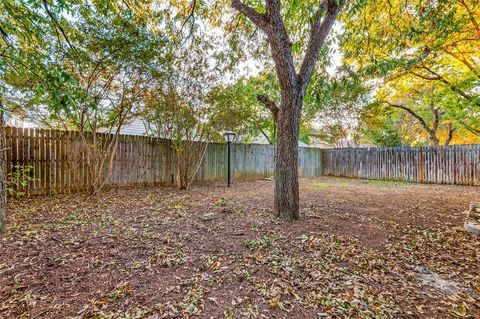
<point x="135" y="127"/>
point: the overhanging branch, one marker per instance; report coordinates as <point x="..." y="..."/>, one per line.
<point x="471" y="129"/>
<point x="50" y="14"/>
<point x="190" y="15"/>
<point x="452" y="86"/>
<point x="411" y="112"/>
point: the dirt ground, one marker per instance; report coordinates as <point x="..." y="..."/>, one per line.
<point x="362" y="249"/>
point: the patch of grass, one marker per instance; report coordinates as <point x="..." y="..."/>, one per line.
<point x="265" y="241"/>
<point x="183" y="237"/>
<point x="34" y="234"/>
<point x="212" y="281"/>
<point x="137" y="313"/>
<point x="25" y="214"/>
<point x="168" y="259"/>
<point x="72" y="218"/>
<point x="120" y="292"/>
<point x="243" y="272"/>
<point x="387" y="182"/>
<point x="323" y="185"/>
<point x="222" y="202"/>
<point x="343" y="185"/>
<point x="194" y="300"/>
<point x="54" y="228"/>
<point x="250" y="244"/>
<point x="107" y="222"/>
<point x="180" y="210"/>
<point x="61" y="261"/>
<point x="276" y="294"/>
<point x="320" y="185"/>
<point x="228" y="314"/>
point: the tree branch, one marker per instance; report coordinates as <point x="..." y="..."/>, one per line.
<point x="45" y="5"/>
<point x="190" y="15"/>
<point x="438" y="77"/>
<point x="272" y="25"/>
<point x="264" y="134"/>
<point x="470" y="128"/>
<point x="411" y="112"/>
<point x="271" y="105"/>
<point x="452" y="87"/>
<point x="436" y="116"/>
<point x="4" y="36"/>
<point x="425" y="77"/>
<point x="319" y="33"/>
<point x="471" y="15"/>
<point x="472" y="65"/>
<point x="273" y="6"/>
<point x="259" y="19"/>
<point x="451" y="129"/>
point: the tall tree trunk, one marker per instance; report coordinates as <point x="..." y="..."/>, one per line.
<point x="3" y="175"/>
<point x="286" y="204"/>
<point x="293" y="85"/>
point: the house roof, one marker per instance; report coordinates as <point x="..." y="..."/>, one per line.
<point x="15" y="121"/>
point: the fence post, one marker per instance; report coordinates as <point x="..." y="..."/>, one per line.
<point x="421" y="166"/>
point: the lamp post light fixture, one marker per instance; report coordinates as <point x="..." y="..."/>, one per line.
<point x="229" y="137"/>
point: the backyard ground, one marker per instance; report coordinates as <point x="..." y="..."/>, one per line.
<point x="362" y="249"/>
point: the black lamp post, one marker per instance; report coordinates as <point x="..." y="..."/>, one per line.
<point x="229" y="137"/>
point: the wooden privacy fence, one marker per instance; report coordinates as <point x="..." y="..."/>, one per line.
<point x="58" y="161"/>
<point x="459" y="164"/>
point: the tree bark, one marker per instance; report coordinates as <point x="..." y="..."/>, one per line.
<point x="451" y="129"/>
<point x="3" y="175"/>
<point x="286" y="203"/>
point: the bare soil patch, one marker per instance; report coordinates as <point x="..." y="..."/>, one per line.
<point x="362" y="249"/>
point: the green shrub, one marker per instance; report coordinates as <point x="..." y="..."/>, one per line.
<point x="18" y="179"/>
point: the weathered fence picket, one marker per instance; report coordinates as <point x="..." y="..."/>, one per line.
<point x="459" y="164"/>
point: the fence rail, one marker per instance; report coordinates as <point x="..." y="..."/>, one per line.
<point x="58" y="161"/>
<point x="459" y="164"/>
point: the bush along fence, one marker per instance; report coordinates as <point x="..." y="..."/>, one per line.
<point x="458" y="164"/>
<point x="52" y="161"/>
